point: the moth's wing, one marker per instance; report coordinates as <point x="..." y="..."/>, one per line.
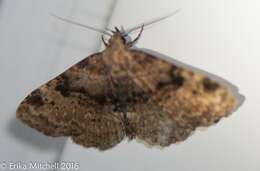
<point x="179" y="100"/>
<point x="70" y="105"/>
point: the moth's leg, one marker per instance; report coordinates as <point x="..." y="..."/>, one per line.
<point x="137" y="38"/>
<point x="103" y="40"/>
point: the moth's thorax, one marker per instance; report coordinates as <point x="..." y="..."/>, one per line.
<point x="116" y="55"/>
<point x="116" y="41"/>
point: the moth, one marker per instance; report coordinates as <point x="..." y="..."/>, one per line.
<point x="122" y="92"/>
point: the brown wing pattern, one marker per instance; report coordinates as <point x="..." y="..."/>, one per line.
<point x="180" y="101"/>
<point x="69" y="105"/>
<point x="122" y="92"/>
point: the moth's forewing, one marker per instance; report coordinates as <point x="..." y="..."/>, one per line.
<point x="69" y="105"/>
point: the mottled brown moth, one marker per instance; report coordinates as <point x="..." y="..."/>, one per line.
<point x="122" y="92"/>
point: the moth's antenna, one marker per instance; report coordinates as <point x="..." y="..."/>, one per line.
<point x="151" y="22"/>
<point x="82" y="25"/>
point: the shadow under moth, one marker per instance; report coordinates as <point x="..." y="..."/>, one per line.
<point x="124" y="92"/>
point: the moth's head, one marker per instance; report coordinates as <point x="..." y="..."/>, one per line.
<point x="120" y="36"/>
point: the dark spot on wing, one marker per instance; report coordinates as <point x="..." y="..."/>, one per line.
<point x="63" y="85"/>
<point x="217" y="120"/>
<point x="163" y="83"/>
<point x="52" y="103"/>
<point x="82" y="90"/>
<point x="35" y="98"/>
<point x="177" y="78"/>
<point x="210" y="85"/>
<point x="194" y="92"/>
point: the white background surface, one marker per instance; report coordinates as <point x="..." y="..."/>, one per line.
<point x="221" y="37"/>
